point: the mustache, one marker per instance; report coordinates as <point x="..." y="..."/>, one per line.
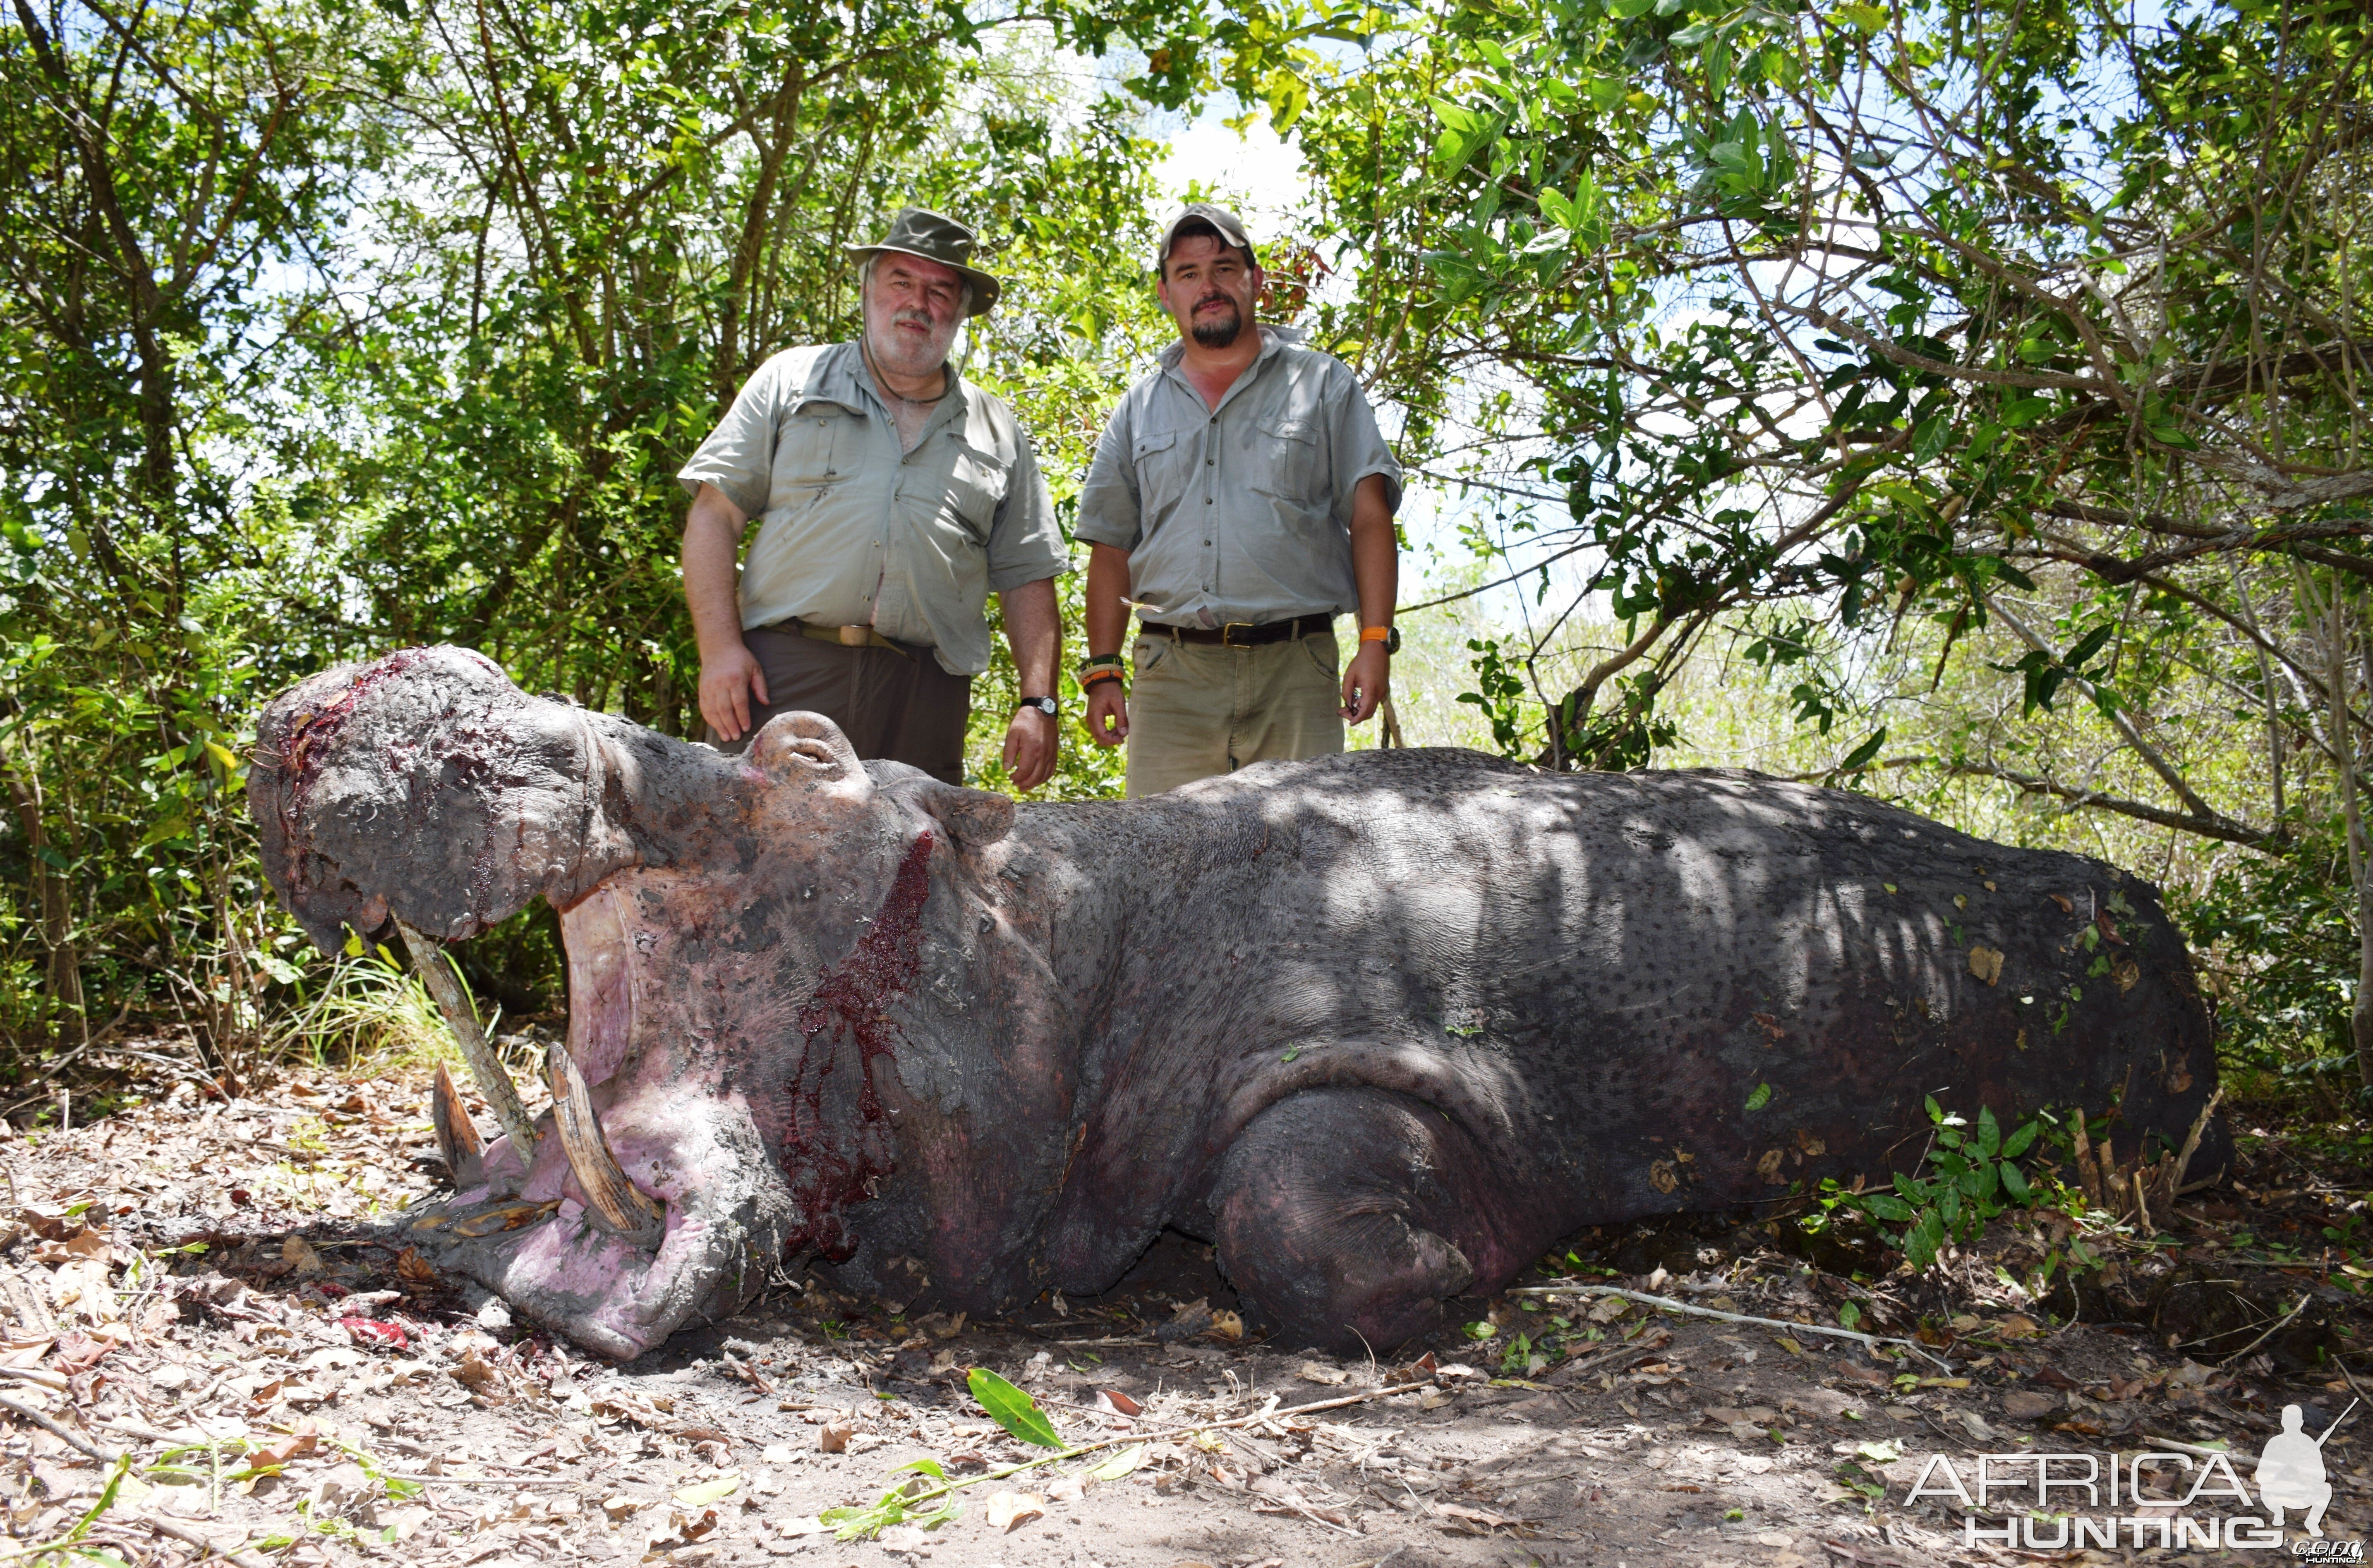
<point x="1214" y="298"/>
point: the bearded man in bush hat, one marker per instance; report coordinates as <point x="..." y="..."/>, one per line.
<point x="894" y="496"/>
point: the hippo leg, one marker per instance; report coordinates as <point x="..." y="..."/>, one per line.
<point x="1346" y="1216"/>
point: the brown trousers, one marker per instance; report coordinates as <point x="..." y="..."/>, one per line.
<point x="893" y="703"/>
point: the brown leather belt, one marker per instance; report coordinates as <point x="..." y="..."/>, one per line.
<point x="1242" y="633"/>
<point x="847" y="636"/>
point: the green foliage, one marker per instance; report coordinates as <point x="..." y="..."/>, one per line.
<point x="1973" y="1177"/>
<point x="1012" y="1409"/>
<point x="901" y="1504"/>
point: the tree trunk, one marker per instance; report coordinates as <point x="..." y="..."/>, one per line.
<point x="53" y="895"/>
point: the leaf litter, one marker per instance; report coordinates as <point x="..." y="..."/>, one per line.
<point x="216" y="1344"/>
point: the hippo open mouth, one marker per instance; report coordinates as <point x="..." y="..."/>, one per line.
<point x="741" y="933"/>
<point x="1381" y="1028"/>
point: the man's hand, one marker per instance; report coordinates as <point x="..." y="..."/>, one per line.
<point x="1107" y="712"/>
<point x="1365" y="683"/>
<point x="1033" y="743"/>
<point x="730" y="677"/>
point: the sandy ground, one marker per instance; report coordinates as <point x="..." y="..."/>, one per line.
<point x="217" y="1298"/>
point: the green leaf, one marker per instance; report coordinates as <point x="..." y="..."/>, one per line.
<point x="1119" y="1465"/>
<point x="1759" y="1097"/>
<point x="2015" y="1184"/>
<point x="701" y="1494"/>
<point x="1012" y="1409"/>
<point x="1923" y="1240"/>
<point x="1989" y="1133"/>
<point x="1861" y="755"/>
<point x="2021" y="1141"/>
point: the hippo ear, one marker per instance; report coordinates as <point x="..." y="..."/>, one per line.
<point x="974" y="818"/>
<point x="805" y="745"/>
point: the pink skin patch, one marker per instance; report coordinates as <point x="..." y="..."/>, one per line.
<point x="663" y="1027"/>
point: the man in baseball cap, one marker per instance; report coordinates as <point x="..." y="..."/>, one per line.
<point x="1241" y="498"/>
<point x="895" y="497"/>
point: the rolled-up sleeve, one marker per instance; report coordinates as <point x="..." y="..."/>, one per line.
<point x="1359" y="446"/>
<point x="738" y="456"/>
<point x="1108" y="499"/>
<point x="1026" y="545"/>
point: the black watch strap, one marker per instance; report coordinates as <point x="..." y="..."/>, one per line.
<point x="1047" y="705"/>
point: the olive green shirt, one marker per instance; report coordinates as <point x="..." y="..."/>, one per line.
<point x="857" y="531"/>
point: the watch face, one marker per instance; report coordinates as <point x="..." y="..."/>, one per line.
<point x="1393" y="643"/>
<point x="1044" y="705"/>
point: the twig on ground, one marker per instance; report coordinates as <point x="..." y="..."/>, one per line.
<point x="2239" y="1461"/>
<point x="71" y="1438"/>
<point x="238" y="1557"/>
<point x="2272" y="1330"/>
<point x="1668" y="1303"/>
<point x="41" y="1376"/>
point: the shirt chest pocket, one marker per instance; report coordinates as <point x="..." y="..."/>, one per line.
<point x="1285" y="459"/>
<point x="1162" y="461"/>
<point x="812" y="448"/>
<point x="977" y="482"/>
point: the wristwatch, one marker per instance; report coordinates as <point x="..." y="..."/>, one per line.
<point x="1047" y="705"/>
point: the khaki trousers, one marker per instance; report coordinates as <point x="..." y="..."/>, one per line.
<point x="892" y="703"/>
<point x="1200" y="709"/>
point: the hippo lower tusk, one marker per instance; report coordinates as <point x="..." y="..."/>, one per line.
<point x="428" y="958"/>
<point x="457" y="1136"/>
<point x="617" y="1205"/>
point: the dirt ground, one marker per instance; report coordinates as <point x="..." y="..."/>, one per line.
<point x="216" y="1296"/>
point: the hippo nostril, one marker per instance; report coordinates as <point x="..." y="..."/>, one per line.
<point x="616" y="1204"/>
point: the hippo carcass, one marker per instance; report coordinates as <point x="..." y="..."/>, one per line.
<point x="1382" y="1026"/>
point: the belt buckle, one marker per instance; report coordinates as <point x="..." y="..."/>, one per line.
<point x="1227" y="633"/>
<point x="853" y="636"/>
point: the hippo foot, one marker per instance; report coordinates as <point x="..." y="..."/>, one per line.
<point x="1348" y="1216"/>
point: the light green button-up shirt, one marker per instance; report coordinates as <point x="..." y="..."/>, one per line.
<point x="1240" y="512"/>
<point x="856" y="531"/>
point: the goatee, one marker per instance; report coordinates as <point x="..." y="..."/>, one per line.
<point x="1219" y="334"/>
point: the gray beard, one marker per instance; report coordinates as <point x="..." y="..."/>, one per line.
<point x="897" y="359"/>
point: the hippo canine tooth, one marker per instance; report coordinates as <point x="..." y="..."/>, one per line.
<point x="457" y="1136"/>
<point x="616" y="1204"/>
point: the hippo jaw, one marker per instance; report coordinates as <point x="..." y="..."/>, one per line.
<point x="741" y="936"/>
<point x="723" y="1213"/>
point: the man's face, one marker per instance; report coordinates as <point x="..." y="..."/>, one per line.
<point x="912" y="310"/>
<point x="1209" y="290"/>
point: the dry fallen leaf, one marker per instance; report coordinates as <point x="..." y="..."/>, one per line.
<point x="833" y="1436"/>
<point x="1010" y="1510"/>
<point x="1119" y="1403"/>
<point x="298" y="1253"/>
<point x="1986" y="963"/>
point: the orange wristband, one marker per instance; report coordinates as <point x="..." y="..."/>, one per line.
<point x="1095" y="676"/>
<point x="1375" y="633"/>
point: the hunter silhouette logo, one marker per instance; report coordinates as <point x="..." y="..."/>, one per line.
<point x="2215" y="1511"/>
<point x="2290" y="1472"/>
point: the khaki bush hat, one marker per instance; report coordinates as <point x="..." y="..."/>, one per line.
<point x="918" y="231"/>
